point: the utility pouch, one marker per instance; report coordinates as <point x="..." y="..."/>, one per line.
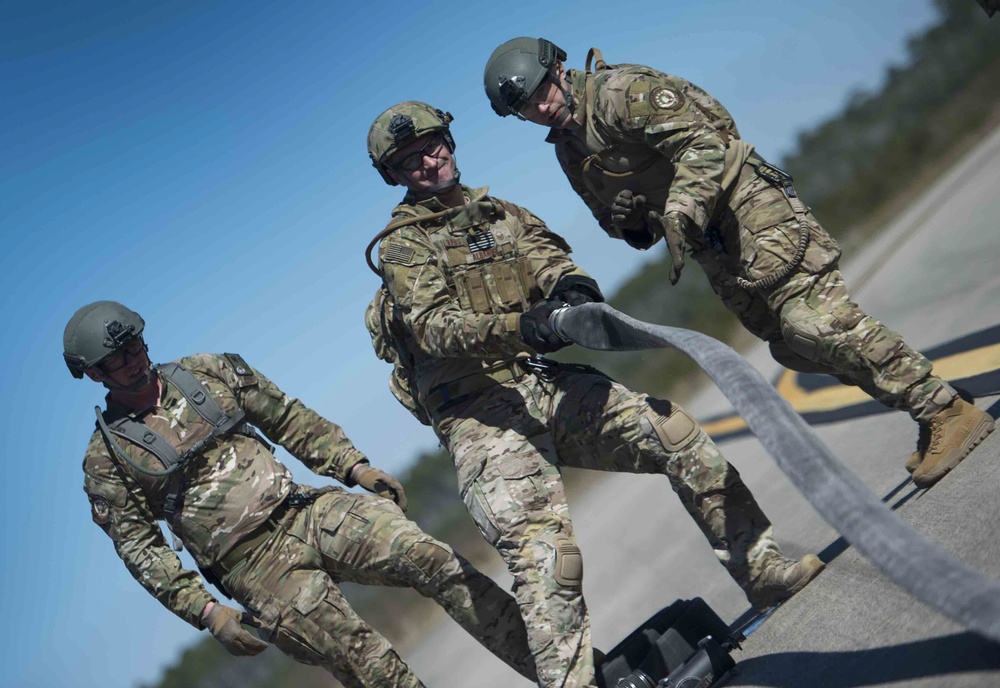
<point x="507" y="287"/>
<point x="472" y="283"/>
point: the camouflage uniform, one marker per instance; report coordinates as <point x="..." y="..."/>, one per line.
<point x="236" y="491"/>
<point x="456" y="281"/>
<point x="663" y="137"/>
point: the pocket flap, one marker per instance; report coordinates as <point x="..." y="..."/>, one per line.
<point x="310" y="596"/>
<point x="516" y="467"/>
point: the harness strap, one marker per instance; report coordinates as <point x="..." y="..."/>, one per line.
<point x="203" y="404"/>
<point x="139" y="434"/>
<point x="594" y="54"/>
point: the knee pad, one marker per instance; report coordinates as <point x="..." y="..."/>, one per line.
<point x="783" y="354"/>
<point x="676" y="429"/>
<point x="802" y="343"/>
<point x="569" y="563"/>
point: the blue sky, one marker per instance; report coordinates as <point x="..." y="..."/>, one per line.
<point x="205" y="164"/>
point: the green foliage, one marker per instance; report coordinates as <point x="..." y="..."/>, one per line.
<point x="847" y="167"/>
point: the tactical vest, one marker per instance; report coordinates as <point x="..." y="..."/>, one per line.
<point x="475" y="248"/>
<point x="139" y="434"/>
<point x="634" y="165"/>
<point x="478" y="255"/>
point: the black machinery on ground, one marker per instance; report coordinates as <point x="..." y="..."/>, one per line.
<point x="684" y="645"/>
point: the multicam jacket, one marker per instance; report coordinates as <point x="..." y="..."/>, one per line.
<point x="651" y="133"/>
<point x="458" y="279"/>
<point x="228" y="490"/>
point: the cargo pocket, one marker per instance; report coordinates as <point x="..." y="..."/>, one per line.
<point x="847" y="314"/>
<point x="342" y="536"/>
<point x="291" y="629"/>
<point x="482" y="514"/>
<point x="522" y="480"/>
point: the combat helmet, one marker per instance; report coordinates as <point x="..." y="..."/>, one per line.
<point x="516" y="69"/>
<point x="95" y="332"/>
<point x="401" y="124"/>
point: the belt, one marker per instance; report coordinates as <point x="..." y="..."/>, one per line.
<point x="458" y="390"/>
<point x="242" y="550"/>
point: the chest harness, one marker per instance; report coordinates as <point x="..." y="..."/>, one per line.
<point x="128" y="428"/>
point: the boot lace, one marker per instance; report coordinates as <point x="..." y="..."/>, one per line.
<point x="935" y="433"/>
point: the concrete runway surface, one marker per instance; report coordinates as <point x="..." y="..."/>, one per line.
<point x="933" y="276"/>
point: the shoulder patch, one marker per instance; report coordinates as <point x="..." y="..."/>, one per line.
<point x="400" y="251"/>
<point x="397" y="253"/>
<point x="665" y="99"/>
<point x="239" y="365"/>
<point x="100" y="510"/>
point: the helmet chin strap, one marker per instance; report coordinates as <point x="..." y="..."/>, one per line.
<point x="441" y="186"/>
<point x="135" y="386"/>
<point x="567" y="92"/>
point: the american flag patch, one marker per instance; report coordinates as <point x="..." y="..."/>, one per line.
<point x="481" y="241"/>
<point x="397" y="253"/>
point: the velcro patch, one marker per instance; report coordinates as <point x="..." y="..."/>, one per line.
<point x="239" y="365"/>
<point x="481" y="241"/>
<point x="665" y="99"/>
<point x="398" y="253"/>
<point x="100" y="510"/>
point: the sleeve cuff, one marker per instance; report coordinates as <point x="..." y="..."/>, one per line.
<point x="197" y="609"/>
<point x="347" y="480"/>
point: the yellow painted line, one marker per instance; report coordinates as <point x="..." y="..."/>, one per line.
<point x="954" y="367"/>
<point x="724" y="426"/>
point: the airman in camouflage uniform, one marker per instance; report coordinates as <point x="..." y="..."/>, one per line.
<point x="278" y="548"/>
<point x="469" y="283"/>
<point x="652" y="155"/>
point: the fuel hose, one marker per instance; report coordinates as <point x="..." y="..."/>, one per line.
<point x="924" y="570"/>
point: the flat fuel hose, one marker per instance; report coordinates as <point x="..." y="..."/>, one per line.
<point x="927" y="572"/>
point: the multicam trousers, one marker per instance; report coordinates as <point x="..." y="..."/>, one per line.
<point x="289" y="582"/>
<point x="809" y="319"/>
<point x="509" y="442"/>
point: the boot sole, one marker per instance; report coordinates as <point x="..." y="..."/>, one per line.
<point x="978" y="434"/>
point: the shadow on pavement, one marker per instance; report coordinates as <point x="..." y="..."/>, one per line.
<point x="953" y="654"/>
<point x="838" y="546"/>
<point x="750" y="620"/>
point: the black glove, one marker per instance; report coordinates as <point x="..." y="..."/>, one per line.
<point x="628" y="211"/>
<point x="577" y="289"/>
<point x="537" y="332"/>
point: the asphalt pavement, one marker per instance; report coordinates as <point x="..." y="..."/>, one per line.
<point x="932" y="276"/>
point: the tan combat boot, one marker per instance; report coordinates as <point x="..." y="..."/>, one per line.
<point x="953" y="434"/>
<point x="782" y="579"/>
<point x="923" y="441"/>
